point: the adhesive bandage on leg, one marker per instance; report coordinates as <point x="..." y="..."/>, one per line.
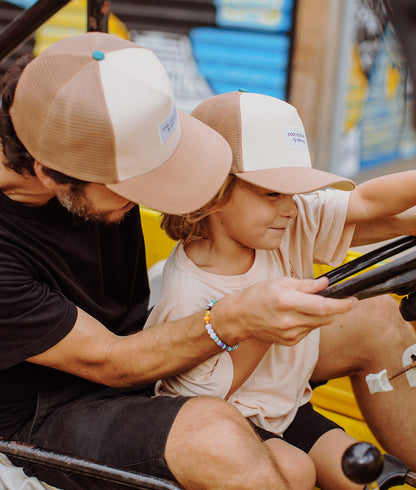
<point x="409" y="357"/>
<point x="378" y="382"/>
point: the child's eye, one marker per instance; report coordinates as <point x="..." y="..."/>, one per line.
<point x="273" y="194"/>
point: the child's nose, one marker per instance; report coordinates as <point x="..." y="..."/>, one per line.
<point x="289" y="207"/>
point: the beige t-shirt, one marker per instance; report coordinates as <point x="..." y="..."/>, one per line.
<point x="279" y="385"/>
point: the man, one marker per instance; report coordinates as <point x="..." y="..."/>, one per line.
<point x="89" y="128"/>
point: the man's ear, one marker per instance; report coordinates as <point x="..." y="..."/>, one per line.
<point x="45" y="180"/>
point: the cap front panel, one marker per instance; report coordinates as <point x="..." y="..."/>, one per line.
<point x="272" y="134"/>
<point x="141" y="108"/>
<point x="191" y="176"/>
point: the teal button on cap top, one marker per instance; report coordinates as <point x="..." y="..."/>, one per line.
<point x="98" y="55"/>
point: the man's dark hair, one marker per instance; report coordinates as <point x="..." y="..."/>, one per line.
<point x="16" y="157"/>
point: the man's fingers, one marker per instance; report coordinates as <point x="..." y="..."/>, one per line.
<point x="304" y="285"/>
<point x="286" y="310"/>
<point x="319" y="284"/>
<point x="303" y="300"/>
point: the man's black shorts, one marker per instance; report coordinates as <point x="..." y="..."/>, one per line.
<point x="126" y="428"/>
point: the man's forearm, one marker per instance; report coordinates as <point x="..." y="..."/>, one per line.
<point x="170" y="348"/>
<point x="282" y="311"/>
<point x="160" y="351"/>
<point x="92" y="352"/>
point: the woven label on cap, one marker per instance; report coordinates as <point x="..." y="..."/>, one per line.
<point x="168" y="125"/>
<point x="296" y="138"/>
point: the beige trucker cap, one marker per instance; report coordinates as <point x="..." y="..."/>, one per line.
<point x="268" y="142"/>
<point x="101" y="109"/>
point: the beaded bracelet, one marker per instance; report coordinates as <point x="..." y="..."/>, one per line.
<point x="212" y="334"/>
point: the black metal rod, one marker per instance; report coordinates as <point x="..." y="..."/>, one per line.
<point x="402" y="269"/>
<point x="26" y="23"/>
<point x="83" y="467"/>
<point x="370" y="258"/>
<point x="98" y="15"/>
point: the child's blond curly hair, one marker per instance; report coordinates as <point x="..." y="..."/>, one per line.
<point x="193" y="226"/>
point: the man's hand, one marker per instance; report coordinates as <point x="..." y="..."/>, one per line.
<point x="283" y="311"/>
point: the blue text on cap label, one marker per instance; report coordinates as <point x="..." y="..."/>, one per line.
<point x="296" y="138"/>
<point x="168" y="125"/>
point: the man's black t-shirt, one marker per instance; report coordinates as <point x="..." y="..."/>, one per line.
<point x="50" y="263"/>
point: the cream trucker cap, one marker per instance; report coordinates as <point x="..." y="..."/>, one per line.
<point x="101" y="109"/>
<point x="268" y="142"/>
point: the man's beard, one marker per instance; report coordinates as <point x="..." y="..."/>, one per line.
<point x="76" y="202"/>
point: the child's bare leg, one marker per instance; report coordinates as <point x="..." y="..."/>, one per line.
<point x="326" y="454"/>
<point x="295" y="466"/>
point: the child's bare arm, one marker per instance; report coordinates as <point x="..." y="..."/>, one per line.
<point x="384" y="196"/>
<point x="245" y="361"/>
<point x="385" y="228"/>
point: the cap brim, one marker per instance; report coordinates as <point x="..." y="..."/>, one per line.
<point x="189" y="178"/>
<point x="296" y="180"/>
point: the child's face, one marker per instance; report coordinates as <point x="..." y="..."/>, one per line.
<point x="257" y="219"/>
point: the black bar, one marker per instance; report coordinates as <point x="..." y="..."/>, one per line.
<point x="98" y="15"/>
<point x="26" y="23"/>
<point x="83" y="467"/>
<point x="398" y="276"/>
<point x="369" y="259"/>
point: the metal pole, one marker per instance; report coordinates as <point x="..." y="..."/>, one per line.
<point x="25" y="24"/>
<point x="98" y="15"/>
<point x="83" y="467"/>
<point x="370" y="258"/>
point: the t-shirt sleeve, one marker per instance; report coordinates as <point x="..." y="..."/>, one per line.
<point x="212" y="377"/>
<point x="33" y="318"/>
<point x="322" y="215"/>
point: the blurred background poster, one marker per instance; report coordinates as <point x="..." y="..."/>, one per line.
<point x="377" y="127"/>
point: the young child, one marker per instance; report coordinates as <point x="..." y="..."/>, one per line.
<point x="266" y="222"/>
